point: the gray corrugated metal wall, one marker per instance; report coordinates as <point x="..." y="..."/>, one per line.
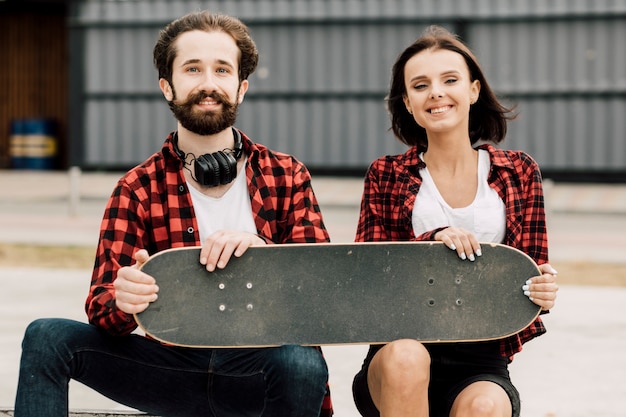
<point x="324" y="70"/>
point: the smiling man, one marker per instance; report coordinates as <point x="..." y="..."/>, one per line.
<point x="210" y="185"/>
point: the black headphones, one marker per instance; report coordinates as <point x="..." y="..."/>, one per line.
<point x="213" y="169"/>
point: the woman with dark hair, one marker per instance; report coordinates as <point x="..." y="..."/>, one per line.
<point x="455" y="187"/>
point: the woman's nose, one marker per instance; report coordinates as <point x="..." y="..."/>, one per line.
<point x="436" y="92"/>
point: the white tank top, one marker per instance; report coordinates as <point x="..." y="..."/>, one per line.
<point x="485" y="216"/>
<point x="232" y="211"/>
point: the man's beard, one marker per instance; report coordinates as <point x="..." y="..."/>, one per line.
<point x="201" y="122"/>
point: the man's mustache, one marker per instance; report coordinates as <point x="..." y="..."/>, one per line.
<point x="202" y="95"/>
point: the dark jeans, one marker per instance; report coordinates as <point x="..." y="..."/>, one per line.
<point x="164" y="380"/>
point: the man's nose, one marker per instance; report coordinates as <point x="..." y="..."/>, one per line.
<point x="208" y="82"/>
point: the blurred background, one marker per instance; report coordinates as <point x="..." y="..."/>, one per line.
<point x="80" y="104"/>
<point x="79" y="88"/>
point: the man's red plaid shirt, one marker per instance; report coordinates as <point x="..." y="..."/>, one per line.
<point x="151" y="209"/>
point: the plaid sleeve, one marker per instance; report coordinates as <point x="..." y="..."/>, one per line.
<point x="304" y="221"/>
<point x="150" y="209"/>
<point x="282" y="198"/>
<point x="534" y="232"/>
<point x="120" y="236"/>
<point x="521" y="190"/>
<point x="370" y="227"/>
<point x="386" y="203"/>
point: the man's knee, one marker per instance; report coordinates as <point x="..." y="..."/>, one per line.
<point x="46" y="335"/>
<point x="39" y="331"/>
<point x="303" y="362"/>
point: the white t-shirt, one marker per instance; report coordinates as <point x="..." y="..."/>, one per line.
<point x="232" y="211"/>
<point x="485" y="216"/>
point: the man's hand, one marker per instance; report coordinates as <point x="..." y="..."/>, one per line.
<point x="135" y="290"/>
<point x="220" y="246"/>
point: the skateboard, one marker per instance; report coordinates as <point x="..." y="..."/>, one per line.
<point x="328" y="294"/>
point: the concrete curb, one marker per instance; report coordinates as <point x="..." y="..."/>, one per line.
<point x="6" y="412"/>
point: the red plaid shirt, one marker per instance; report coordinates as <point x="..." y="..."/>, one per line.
<point x="151" y="209"/>
<point x="392" y="183"/>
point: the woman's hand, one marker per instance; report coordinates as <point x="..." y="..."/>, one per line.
<point x="460" y="240"/>
<point x="542" y="289"/>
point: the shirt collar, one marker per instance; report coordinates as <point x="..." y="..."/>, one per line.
<point x="498" y="157"/>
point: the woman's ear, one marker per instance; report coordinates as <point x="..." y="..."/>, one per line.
<point x="407" y="104"/>
<point x="165" y="87"/>
<point x="474" y="91"/>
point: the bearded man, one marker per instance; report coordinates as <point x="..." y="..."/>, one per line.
<point x="210" y="185"/>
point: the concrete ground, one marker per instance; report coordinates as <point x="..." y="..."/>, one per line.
<point x="576" y="370"/>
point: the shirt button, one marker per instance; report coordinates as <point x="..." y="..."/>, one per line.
<point x="190" y="230"/>
<point x="181" y="188"/>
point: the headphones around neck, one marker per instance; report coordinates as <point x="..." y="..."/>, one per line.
<point x="213" y="169"/>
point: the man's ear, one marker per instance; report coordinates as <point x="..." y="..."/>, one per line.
<point x="243" y="87"/>
<point x="165" y="87"/>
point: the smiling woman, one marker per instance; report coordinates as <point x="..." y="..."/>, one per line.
<point x="439" y="91"/>
<point x="448" y="188"/>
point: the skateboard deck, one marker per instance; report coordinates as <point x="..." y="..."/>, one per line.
<point x="325" y="294"/>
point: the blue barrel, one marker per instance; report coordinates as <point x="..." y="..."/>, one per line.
<point x="33" y="144"/>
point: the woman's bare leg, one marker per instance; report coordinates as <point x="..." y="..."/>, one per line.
<point x="482" y="399"/>
<point x="398" y="379"/>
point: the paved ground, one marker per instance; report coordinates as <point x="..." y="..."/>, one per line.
<point x="576" y="370"/>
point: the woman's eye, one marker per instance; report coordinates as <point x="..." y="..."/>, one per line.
<point x="451" y="80"/>
<point x="419" y="86"/>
